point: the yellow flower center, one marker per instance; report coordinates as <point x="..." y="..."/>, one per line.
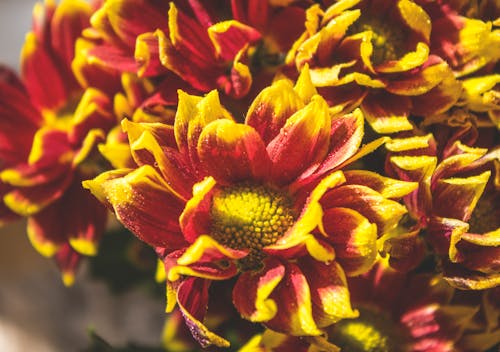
<point x="372" y="331"/>
<point x="250" y="217"/>
<point x="386" y="40"/>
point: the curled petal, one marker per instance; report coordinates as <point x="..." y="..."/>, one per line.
<point x="479" y="252"/>
<point x="416" y="18"/>
<point x="206" y="249"/>
<point x="192" y="297"/>
<point x="369" y="203"/>
<point x="229" y="37"/>
<point x="252" y="290"/>
<point x="149" y="145"/>
<point x="387" y="113"/>
<point x="409" y="61"/>
<point x="329" y="292"/>
<point x="457" y="197"/>
<point x="387" y="187"/>
<point x="299" y="236"/>
<point x="195" y="218"/>
<point x="438" y="99"/>
<point x="406" y="251"/>
<point x="458" y="276"/>
<point x="353" y="237"/>
<point x="420" y="82"/>
<point x="294" y="314"/>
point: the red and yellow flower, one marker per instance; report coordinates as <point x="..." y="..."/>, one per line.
<point x="398" y="312"/>
<point x="450" y="206"/>
<point x="376" y="54"/>
<point x="265" y="200"/>
<point x="467" y="44"/>
<point x="50" y="125"/>
<point x="192" y="44"/>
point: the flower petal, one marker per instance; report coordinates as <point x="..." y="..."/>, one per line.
<point x="232" y="152"/>
<point x="387" y="113"/>
<point x="149" y="144"/>
<point x="253" y="288"/>
<point x="229" y="37"/>
<point x="206" y="249"/>
<point x="192" y="297"/>
<point x="345" y="138"/>
<point x="369" y="203"/>
<point x="353" y="237"/>
<point x="302" y="142"/>
<point x="67" y="261"/>
<point x="457" y="197"/>
<point x="408" y="62"/>
<point x="418" y="82"/>
<point x="195" y="218"/>
<point x="193" y="114"/>
<point x="300" y="235"/>
<point x="329" y="293"/>
<point x="438" y="99"/>
<point x="143" y="203"/>
<point x="387" y="187"/>
<point x="294" y="308"/>
<point x="271" y="109"/>
<point x="69" y="19"/>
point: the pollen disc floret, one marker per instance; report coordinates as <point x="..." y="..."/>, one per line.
<point x="372" y="331"/>
<point x="250" y="217"/>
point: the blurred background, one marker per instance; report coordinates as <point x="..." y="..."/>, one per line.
<point x="37" y="313"/>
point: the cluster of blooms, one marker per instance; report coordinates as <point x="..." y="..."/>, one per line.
<point x="332" y="166"/>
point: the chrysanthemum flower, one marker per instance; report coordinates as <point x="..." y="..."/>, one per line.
<point x="194" y="41"/>
<point x="467" y="44"/>
<point x="450" y="206"/>
<point x="397" y="312"/>
<point x="376" y="53"/>
<point x="264" y="200"/>
<point x="50" y="126"/>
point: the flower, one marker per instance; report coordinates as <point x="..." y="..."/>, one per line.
<point x="264" y="201"/>
<point x="467" y="44"/>
<point x="450" y="208"/>
<point x="398" y="312"/>
<point x="193" y="45"/>
<point x="53" y="124"/>
<point x="376" y="55"/>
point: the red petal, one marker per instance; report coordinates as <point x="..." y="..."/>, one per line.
<point x="294" y="308"/>
<point x="233" y="152"/>
<point x="302" y="142"/>
<point x="253" y="288"/>
<point x="329" y="292"/>
<point x="192" y="296"/>
<point x="143" y="203"/>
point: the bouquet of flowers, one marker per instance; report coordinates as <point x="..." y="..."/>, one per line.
<point x="311" y="175"/>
